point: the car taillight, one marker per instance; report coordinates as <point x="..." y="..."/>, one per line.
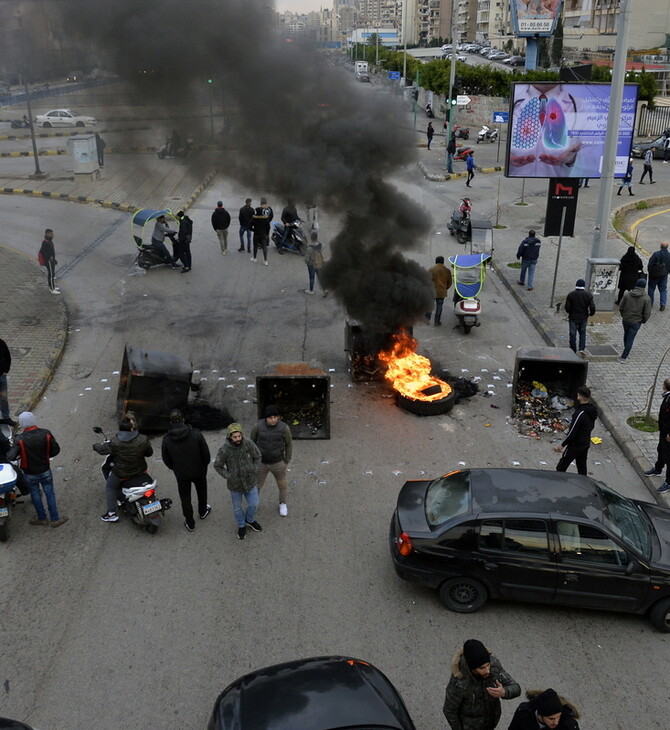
<point x="404" y="544"/>
<point x="149" y="493"/>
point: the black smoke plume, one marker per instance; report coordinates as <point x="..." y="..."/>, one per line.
<point x="293" y="125"/>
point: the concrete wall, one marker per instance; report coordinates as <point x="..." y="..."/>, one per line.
<point x="479" y="111"/>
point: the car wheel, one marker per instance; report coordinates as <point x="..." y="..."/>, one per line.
<point x="47" y="125"/>
<point x="80" y="124"/>
<point x="660" y="616"/>
<point x="4" y="532"/>
<point x="151" y="529"/>
<point x="463" y="595"/>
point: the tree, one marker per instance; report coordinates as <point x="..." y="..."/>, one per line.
<point x="557" y="45"/>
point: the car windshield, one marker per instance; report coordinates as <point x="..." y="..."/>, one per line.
<point x="622" y="517"/>
<point x="448" y="497"/>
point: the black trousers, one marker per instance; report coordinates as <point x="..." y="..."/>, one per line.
<point x="51" y="273"/>
<point x="663" y="459"/>
<point x="184" y="487"/>
<point x="577" y="454"/>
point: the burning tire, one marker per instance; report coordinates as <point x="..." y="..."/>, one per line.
<point x="427" y="407"/>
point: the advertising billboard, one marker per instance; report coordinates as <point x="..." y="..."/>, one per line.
<point x="535" y="17"/>
<point x="558" y="130"/>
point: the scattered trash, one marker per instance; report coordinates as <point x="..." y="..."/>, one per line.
<point x="596" y="440"/>
<point x="493" y="405"/>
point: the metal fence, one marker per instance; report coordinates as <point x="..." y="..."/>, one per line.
<point x="653" y="122"/>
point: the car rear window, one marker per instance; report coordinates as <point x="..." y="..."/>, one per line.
<point x="527" y="537"/>
<point x="448" y="497"/>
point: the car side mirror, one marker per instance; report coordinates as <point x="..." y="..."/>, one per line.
<point x="631" y="567"/>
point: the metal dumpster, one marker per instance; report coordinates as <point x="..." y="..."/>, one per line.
<point x="301" y="392"/>
<point x="152" y="384"/>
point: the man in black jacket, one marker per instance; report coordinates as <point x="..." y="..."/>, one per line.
<point x="246" y="219"/>
<point x="579" y="306"/>
<point x="575" y="446"/>
<point x="184" y="236"/>
<point x="185" y="452"/>
<point x="545" y="710"/>
<point x="48" y="258"/>
<point x="262" y="219"/>
<point x="220" y="224"/>
<point x="34" y="448"/>
<point x="529" y="253"/>
<point x="663" y="447"/>
<point x="5" y="364"/>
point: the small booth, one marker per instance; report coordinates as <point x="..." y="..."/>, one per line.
<point x="84" y="152"/>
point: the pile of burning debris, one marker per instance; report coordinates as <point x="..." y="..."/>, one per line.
<point x="538" y="409"/>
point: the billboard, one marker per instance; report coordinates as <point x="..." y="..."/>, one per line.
<point x="535" y="17"/>
<point x="558" y="130"/>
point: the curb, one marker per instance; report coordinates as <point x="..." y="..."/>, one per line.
<point x="41" y="153"/>
<point x="454" y="175"/>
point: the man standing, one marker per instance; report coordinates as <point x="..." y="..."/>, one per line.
<point x="580" y="306"/>
<point x="184" y="237"/>
<point x="34" y="448"/>
<point x="663" y="447"/>
<point x="429" y="133"/>
<point x="647" y="168"/>
<point x="635" y="310"/>
<point x="575" y="446"/>
<point x="5" y="364"/>
<point x="100" y="149"/>
<point x="529" y="253"/>
<point x="658" y="268"/>
<point x="273" y="438"/>
<point x="470" y="166"/>
<point x="261" y="221"/>
<point x="478" y="682"/>
<point x="185" y="452"/>
<point x="48" y="259"/>
<point x="451" y="151"/>
<point x="237" y="462"/>
<point x="627" y="181"/>
<point x="545" y="710"/>
<point x="441" y="282"/>
<point x="220" y="224"/>
<point x="246" y="219"/>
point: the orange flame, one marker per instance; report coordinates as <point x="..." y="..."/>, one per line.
<point x="408" y="372"/>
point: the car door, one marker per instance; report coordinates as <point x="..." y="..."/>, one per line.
<point x="592" y="570"/>
<point x="515" y="559"/>
<point x="66" y="119"/>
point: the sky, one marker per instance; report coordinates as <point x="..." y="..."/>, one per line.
<point x="302" y="6"/>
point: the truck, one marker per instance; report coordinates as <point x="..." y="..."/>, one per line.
<point x="362" y="67"/>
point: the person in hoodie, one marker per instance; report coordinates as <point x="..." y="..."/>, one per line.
<point x="575" y="446"/>
<point x="579" y="306"/>
<point x="289" y="219"/>
<point x="48" y="257"/>
<point x="274" y="440"/>
<point x="630" y="270"/>
<point x="246" y="219"/>
<point x="635" y="310"/>
<point x="184" y="236"/>
<point x="185" y="452"/>
<point x="161" y="229"/>
<point x="261" y="224"/>
<point x="129" y="449"/>
<point x="478" y="682"/>
<point x="220" y="224"/>
<point x="545" y="709"/>
<point x="313" y="260"/>
<point x="34" y="448"/>
<point x="528" y="253"/>
<point x="237" y="462"/>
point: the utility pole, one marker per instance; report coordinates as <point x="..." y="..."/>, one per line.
<point x="404" y="41"/>
<point x="38" y="173"/>
<point x="452" y="78"/>
<point x="377" y="37"/>
<point x="598" y="250"/>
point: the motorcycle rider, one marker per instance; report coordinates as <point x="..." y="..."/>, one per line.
<point x="465" y="208"/>
<point x="129" y="449"/>
<point x="161" y="229"/>
<point x="289" y="218"/>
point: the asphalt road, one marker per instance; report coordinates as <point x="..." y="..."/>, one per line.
<point x="111" y="626"/>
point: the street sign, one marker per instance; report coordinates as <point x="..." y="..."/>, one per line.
<point x="462" y="100"/>
<point x="562" y="194"/>
<point x="500" y="117"/>
<point x="394" y="75"/>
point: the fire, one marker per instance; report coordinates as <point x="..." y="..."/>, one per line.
<point x="409" y="372"/>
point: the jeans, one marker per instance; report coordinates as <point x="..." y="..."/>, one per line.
<point x="4" y="403"/>
<point x="278" y="471"/>
<point x="577" y="454"/>
<point x="450" y="163"/>
<point x="112" y="491"/>
<point x="184" y="488"/>
<point x="163" y="251"/>
<point x="527" y="266"/>
<point x="222" y="235"/>
<point x="46" y="481"/>
<point x="244" y="230"/>
<point x="575" y="327"/>
<point x="471" y="174"/>
<point x="630" y="329"/>
<point x="312" y="274"/>
<point x="662" y="285"/>
<point x="439" y="302"/>
<point x="252" y="498"/>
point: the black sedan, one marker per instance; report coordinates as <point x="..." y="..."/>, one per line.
<point x="532" y="535"/>
<point x="323" y="693"/>
<point x="657" y="146"/>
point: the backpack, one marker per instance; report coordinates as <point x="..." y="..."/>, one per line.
<point x="40" y="259"/>
<point x="657" y="270"/>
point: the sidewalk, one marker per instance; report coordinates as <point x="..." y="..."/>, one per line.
<point x="620" y="389"/>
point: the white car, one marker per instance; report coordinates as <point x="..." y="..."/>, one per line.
<point x="64" y="118"/>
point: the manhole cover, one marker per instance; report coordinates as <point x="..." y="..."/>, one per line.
<point x="602" y="351"/>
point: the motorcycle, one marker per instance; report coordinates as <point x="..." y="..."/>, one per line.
<point x="459" y="225"/>
<point x="469" y="273"/>
<point x="8" y="489"/>
<point x="169" y="149"/>
<point x="429" y="112"/>
<point x="461" y="132"/>
<point x="148" y="256"/>
<point x="487" y="133"/>
<point x="139" y="503"/>
<point x="296" y="240"/>
<point x="462" y="153"/>
<point x="19" y="123"/>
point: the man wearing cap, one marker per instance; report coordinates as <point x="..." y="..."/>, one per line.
<point x="273" y="438"/>
<point x="34" y="448"/>
<point x="635" y="310"/>
<point x="237" y="462"/>
<point x="220" y="224"/>
<point x="185" y="452"/>
<point x="545" y="710"/>
<point x="579" y="306"/>
<point x="478" y="682"/>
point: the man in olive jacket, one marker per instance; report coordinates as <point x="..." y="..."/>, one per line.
<point x="478" y="683"/>
<point x="441" y="277"/>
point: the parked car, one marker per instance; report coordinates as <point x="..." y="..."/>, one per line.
<point x="498" y="56"/>
<point x="515" y="61"/>
<point x="322" y="693"/>
<point x="363" y="77"/>
<point x="75" y="76"/>
<point x="657" y="145"/>
<point x="64" y="118"/>
<point x="459" y="57"/>
<point x="530" y="535"/>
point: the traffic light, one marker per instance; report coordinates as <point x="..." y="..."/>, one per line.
<point x="209" y="80"/>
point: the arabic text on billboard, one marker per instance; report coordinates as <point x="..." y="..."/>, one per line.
<point x="558" y="130"/>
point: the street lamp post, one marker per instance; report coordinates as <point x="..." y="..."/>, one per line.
<point x="38" y="172"/>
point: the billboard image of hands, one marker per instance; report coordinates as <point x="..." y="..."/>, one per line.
<point x="558" y="130"/>
<point x="535" y="17"/>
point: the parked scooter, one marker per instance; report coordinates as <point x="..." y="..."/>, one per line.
<point x="295" y="241"/>
<point x="462" y="153"/>
<point x="8" y="488"/>
<point x="429" y="111"/>
<point x="20" y="123"/>
<point x="469" y="273"/>
<point x="459" y="225"/>
<point x="140" y="502"/>
<point x="172" y="150"/>
<point x="460" y="132"/>
<point x="487" y="133"/>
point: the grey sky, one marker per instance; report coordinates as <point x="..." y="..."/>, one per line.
<point x="302" y="6"/>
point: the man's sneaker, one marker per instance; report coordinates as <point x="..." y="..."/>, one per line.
<point x="308" y="291"/>
<point x="207" y="511"/>
<point x="255" y="526"/>
<point x="60" y="522"/>
<point x="55" y="291"/>
<point x="253" y="258"/>
<point x="110" y="517"/>
<point x="653" y="472"/>
<point x="665" y="487"/>
<point x="265" y="263"/>
<point x="36" y="521"/>
<point x="241" y="533"/>
<point x="188" y="527"/>
<point x="283" y="509"/>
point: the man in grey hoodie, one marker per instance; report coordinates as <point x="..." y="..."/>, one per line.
<point x="161" y="229"/>
<point x="635" y="310"/>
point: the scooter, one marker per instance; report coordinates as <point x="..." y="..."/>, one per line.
<point x="295" y="241"/>
<point x="469" y="273"/>
<point x="459" y="225"/>
<point x="487" y="133"/>
<point x="8" y="488"/>
<point x="140" y="502"/>
<point x="429" y="112"/>
<point x="461" y="132"/>
<point x="19" y="123"/>
<point x="149" y="256"/>
<point x="462" y="153"/>
<point x="168" y="149"/>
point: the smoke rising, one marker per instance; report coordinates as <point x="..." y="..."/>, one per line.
<point x="293" y="125"/>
